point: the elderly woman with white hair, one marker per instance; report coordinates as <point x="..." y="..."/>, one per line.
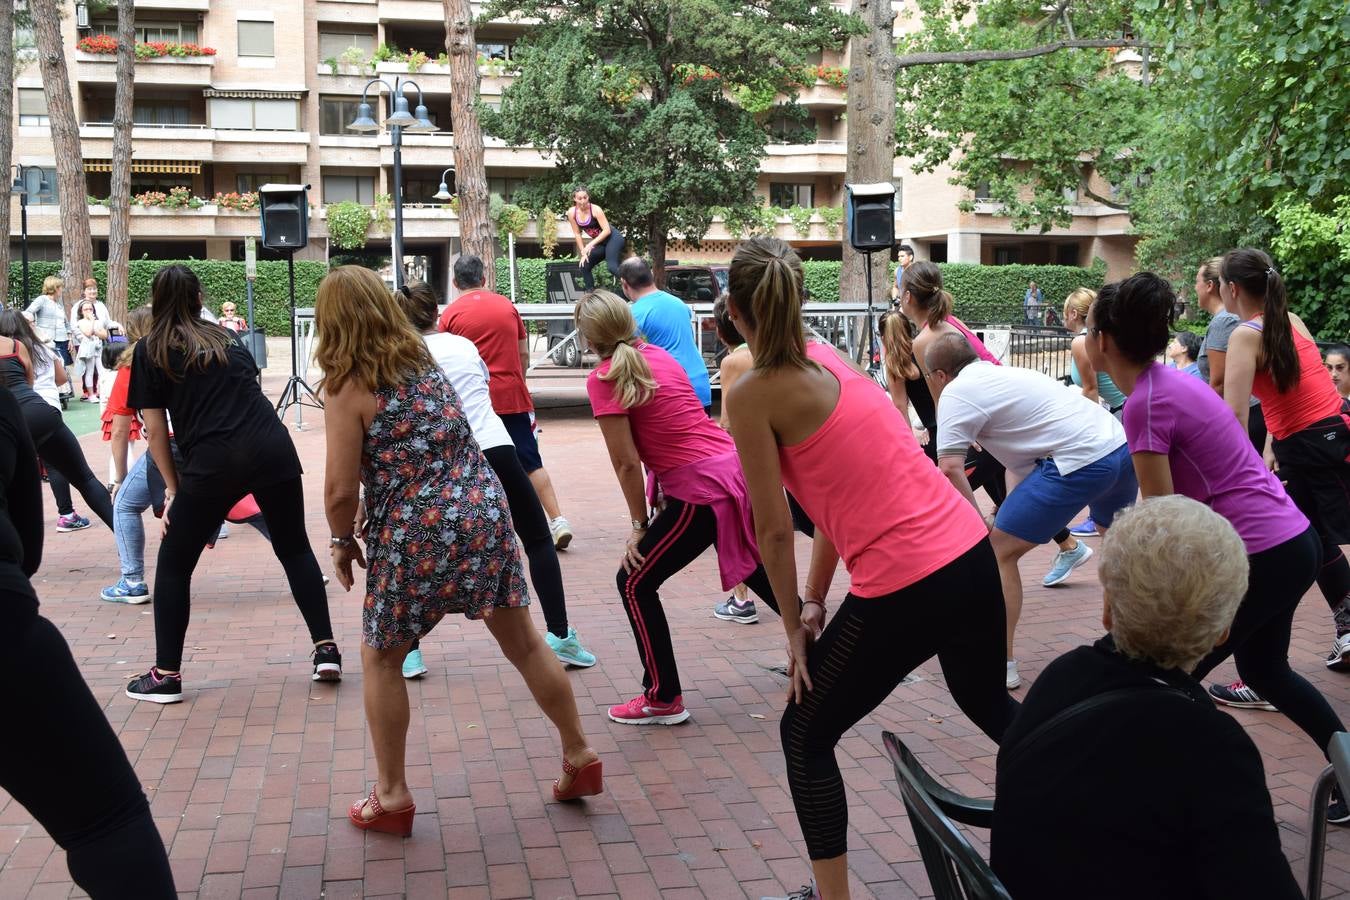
<point x="1120" y="778"/>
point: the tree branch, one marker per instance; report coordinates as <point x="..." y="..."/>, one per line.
<point x="971" y="57"/>
<point x="1105" y="201"/>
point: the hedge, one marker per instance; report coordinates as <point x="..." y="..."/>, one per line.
<point x="222" y="280"/>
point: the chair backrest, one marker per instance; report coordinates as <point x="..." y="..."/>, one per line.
<point x="955" y="870"/>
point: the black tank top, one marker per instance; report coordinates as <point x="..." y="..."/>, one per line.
<point x="16" y="379"/>
<point x="590" y="228"/>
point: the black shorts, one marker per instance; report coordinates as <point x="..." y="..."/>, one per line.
<point x="521" y="429"/>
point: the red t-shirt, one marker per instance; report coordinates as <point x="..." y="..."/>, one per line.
<point x="492" y="323"/>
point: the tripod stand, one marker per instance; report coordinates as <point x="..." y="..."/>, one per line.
<point x="296" y="392"/>
<point x="873" y="360"/>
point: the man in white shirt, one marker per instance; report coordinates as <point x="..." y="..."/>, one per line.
<point x="1065" y="451"/>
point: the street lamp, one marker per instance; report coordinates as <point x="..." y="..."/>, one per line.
<point x="398" y="121"/>
<point x="443" y="193"/>
<point x="20" y="187"/>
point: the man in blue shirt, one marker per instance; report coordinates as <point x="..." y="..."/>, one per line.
<point x="665" y="320"/>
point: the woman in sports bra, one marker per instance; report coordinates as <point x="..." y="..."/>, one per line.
<point x="1096" y="385"/>
<point x="923" y="578"/>
<point x="56" y="446"/>
<point x="596" y="238"/>
<point x="1271" y="355"/>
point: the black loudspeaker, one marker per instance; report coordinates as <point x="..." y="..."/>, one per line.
<point x="869" y="216"/>
<point x="285" y="215"/>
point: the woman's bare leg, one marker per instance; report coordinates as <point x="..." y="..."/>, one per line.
<point x="386" y="699"/>
<point x="514" y="632"/>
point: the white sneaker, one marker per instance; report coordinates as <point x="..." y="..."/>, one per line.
<point x="1014" y="680"/>
<point x="562" y="533"/>
<point x="224" y="531"/>
<point x="1339" y="659"/>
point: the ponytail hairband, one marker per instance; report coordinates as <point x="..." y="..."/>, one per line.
<point x="1270" y="270"/>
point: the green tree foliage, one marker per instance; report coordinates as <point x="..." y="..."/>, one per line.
<point x="1024" y="127"/>
<point x="636" y="101"/>
<point x="1312" y="250"/>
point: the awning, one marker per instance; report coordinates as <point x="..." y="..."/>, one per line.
<point x="253" y="94"/>
<point x="154" y="166"/>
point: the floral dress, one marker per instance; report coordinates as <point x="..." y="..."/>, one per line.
<point x="438" y="533"/>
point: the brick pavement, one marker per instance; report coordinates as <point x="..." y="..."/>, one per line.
<point x="251" y="776"/>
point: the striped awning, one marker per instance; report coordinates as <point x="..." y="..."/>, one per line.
<point x="154" y="166"/>
<point x="253" y="94"/>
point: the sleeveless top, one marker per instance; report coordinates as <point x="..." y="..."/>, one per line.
<point x="591" y="228"/>
<point x="865" y="457"/>
<point x="16" y="379"/>
<point x="917" y="388"/>
<point x="1312" y="398"/>
<point x="1106" y="388"/>
<point x="975" y="343"/>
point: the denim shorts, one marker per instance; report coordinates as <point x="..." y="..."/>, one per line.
<point x="1046" y="501"/>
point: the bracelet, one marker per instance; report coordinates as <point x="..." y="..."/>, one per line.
<point x="638" y="524"/>
<point x="820" y="603"/>
<point x="347" y="541"/>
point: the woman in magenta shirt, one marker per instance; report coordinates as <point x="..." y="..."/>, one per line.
<point x="650" y="416"/>
<point x="1184" y="440"/>
<point x="923" y="580"/>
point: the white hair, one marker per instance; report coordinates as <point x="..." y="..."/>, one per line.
<point x="1174" y="572"/>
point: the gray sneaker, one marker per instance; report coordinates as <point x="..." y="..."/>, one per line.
<point x="1065" y="562"/>
<point x="734" y="610"/>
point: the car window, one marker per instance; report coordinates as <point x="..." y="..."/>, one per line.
<point x="721" y="278"/>
<point x="703" y="287"/>
<point x="677" y="283"/>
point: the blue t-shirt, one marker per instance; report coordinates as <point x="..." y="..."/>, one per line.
<point x="665" y="321"/>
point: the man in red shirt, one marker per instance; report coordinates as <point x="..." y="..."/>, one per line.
<point x="492" y="323"/>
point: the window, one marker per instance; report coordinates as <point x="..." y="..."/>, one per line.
<point x="505" y="187"/>
<point x="336" y="113"/>
<point x="982" y="191"/>
<point x="40" y="184"/>
<point x="254" y="115"/>
<point x="792" y="126"/>
<point x="144" y="182"/>
<point x="495" y="49"/>
<point x="32" y="107"/>
<point x="148" y="31"/>
<point x="899" y="193"/>
<point x="255" y="39"/>
<point x="332" y="44"/>
<point x="1007" y="256"/>
<point x="249" y="182"/>
<point x="160" y="112"/>
<point x="1066" y="255"/>
<point x="359" y="188"/>
<point x="422" y="188"/>
<point x="785" y="196"/>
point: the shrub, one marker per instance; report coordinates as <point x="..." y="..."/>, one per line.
<point x="348" y="223"/>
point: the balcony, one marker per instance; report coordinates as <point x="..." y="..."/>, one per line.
<point x="823" y="157"/>
<point x="282" y="147"/>
<point x="187" y="142"/>
<point x="175" y="5"/>
<point x="432" y="78"/>
<point x="101" y="68"/>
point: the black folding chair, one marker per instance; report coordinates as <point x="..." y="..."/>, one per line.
<point x="1339" y="771"/>
<point x="955" y="870"/>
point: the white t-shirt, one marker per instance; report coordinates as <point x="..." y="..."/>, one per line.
<point x="1021" y="416"/>
<point x="44" y="378"/>
<point x="459" y="360"/>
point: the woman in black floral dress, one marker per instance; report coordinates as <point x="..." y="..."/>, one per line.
<point x="437" y="530"/>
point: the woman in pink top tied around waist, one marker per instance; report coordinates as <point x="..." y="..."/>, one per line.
<point x="650" y="416"/>
<point x="923" y="580"/>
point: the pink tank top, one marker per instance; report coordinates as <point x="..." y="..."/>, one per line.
<point x="866" y="483"/>
<point x="975" y="343"/>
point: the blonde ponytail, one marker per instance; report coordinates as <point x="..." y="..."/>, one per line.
<point x="607" y="324"/>
<point x="765" y="285"/>
<point x="897" y="345"/>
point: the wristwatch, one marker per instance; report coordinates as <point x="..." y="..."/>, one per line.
<point x="639" y="525"/>
<point x="347" y="541"/>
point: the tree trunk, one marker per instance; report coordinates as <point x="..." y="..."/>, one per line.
<point x="871" y="134"/>
<point x="76" y="244"/>
<point x="475" y="229"/>
<point x="656" y="248"/>
<point x="6" y="145"/>
<point x="119" y="202"/>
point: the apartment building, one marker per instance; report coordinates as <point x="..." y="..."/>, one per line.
<point x="255" y="92"/>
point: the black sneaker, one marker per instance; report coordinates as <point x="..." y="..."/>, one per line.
<point x="156" y="688"/>
<point x="734" y="610"/>
<point x="1338" y="813"/>
<point x="327" y="663"/>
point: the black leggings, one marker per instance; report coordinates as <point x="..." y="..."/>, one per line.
<point x="194" y="520"/>
<point x="71" y="772"/>
<point x="531" y="525"/>
<point x="679" y="535"/>
<point x="868" y="648"/>
<point x="1259" y="640"/>
<point x="611" y="251"/>
<point x="66" y="466"/>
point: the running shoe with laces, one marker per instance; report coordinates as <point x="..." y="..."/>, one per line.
<point x="327" y="663"/>
<point x="126" y="592"/>
<point x="1013" y="680"/>
<point x="1085" y="528"/>
<point x="156" y="687"/>
<point x="1337" y="812"/>
<point x="734" y="610"/>
<point x="72" y="522"/>
<point x="641" y="711"/>
<point x="1240" y="696"/>
<point x="569" y="650"/>
<point x="562" y="533"/>
<point x="1339" y="658"/>
<point x="413" y="667"/>
<point x="1065" y="562"/>
<point x="805" y="892"/>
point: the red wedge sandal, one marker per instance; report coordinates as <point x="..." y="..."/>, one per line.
<point x="586" y="781"/>
<point x="399" y="821"/>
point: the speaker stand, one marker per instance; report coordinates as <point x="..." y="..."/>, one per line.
<point x="873" y="362"/>
<point x="296" y="393"/>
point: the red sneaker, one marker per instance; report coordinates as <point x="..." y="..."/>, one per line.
<point x="642" y="711"/>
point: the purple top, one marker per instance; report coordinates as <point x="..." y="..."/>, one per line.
<point x="1210" y="455"/>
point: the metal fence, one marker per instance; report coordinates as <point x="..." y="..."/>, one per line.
<point x="1045" y="349"/>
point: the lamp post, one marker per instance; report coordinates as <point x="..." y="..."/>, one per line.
<point x="20" y="187"/>
<point x="443" y="193"/>
<point x="398" y="121"/>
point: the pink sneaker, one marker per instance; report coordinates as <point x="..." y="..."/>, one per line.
<point x="641" y="711"/>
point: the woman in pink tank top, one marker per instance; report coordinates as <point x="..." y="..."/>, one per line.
<point x="923" y="580"/>
<point x="1272" y="355"/>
